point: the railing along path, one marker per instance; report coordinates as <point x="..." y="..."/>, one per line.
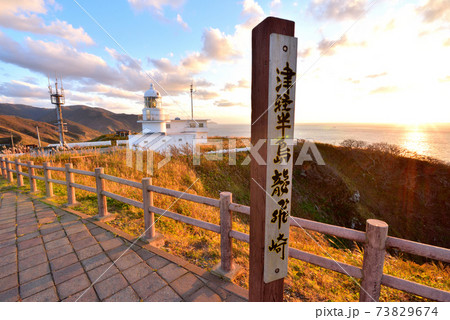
<point x="375" y="238"/>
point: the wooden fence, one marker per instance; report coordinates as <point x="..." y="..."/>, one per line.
<point x="375" y="238"/>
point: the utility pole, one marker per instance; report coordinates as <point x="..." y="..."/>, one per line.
<point x="12" y="143"/>
<point x="58" y="99"/>
<point x="39" y="137"/>
<point x="192" y="101"/>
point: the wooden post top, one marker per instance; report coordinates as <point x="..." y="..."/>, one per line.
<point x="99" y="170"/>
<point x="225" y="194"/>
<point x="377" y="223"/>
<point x="275" y="25"/>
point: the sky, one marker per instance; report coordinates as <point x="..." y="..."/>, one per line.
<point x="361" y="61"/>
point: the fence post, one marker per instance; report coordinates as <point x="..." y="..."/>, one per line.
<point x="47" y="177"/>
<point x="18" y="173"/>
<point x="373" y="261"/>
<point x="101" y="199"/>
<point x="226" y="268"/>
<point x="71" y="199"/>
<point x="3" y="164"/>
<point x="149" y="217"/>
<point x="9" y="174"/>
<point x="33" y="187"/>
<point x="225" y="228"/>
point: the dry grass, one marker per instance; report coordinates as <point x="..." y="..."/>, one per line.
<point x="305" y="282"/>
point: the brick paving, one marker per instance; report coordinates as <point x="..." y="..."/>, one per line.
<point x="49" y="254"/>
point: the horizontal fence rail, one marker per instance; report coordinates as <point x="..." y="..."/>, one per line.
<point x="126" y="182"/>
<point x="179" y="217"/>
<point x="82" y="172"/>
<point x="131" y="202"/>
<point x="375" y="238"/>
<point x="420" y="249"/>
<point x="185" y="196"/>
<point x="83" y="187"/>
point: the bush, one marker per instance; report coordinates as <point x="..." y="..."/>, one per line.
<point x="353" y="144"/>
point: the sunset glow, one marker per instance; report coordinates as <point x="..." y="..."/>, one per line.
<point x="359" y="61"/>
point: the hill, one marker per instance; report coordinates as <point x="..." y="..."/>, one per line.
<point x="97" y="119"/>
<point x="411" y="195"/>
<point x="24" y="131"/>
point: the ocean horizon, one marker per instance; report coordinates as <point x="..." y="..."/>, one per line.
<point x="431" y="140"/>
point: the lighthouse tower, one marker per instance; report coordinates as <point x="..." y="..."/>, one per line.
<point x="159" y="133"/>
<point x="154" y="118"/>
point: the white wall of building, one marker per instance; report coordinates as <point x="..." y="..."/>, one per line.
<point x="154" y="126"/>
<point x="161" y="142"/>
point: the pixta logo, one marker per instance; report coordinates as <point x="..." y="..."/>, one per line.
<point x="140" y="154"/>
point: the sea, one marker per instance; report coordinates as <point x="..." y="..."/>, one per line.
<point x="432" y="140"/>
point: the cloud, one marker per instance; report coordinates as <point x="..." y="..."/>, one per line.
<point x="354" y="81"/>
<point x="446" y="79"/>
<point x="22" y="15"/>
<point x="206" y="94"/>
<point x="328" y="47"/>
<point x="163" y="65"/>
<point x="218" y="46"/>
<point x="194" y="63"/>
<point x="275" y="6"/>
<point x="251" y="8"/>
<point x="227" y="103"/>
<point x="337" y="9"/>
<point x="110" y="91"/>
<point x="386" y="89"/>
<point x="177" y="83"/>
<point x="182" y="23"/>
<point x="124" y="59"/>
<point x="253" y="12"/>
<point x="243" y="83"/>
<point x="23" y="5"/>
<point x="435" y="10"/>
<point x="305" y="53"/>
<point x="156" y="6"/>
<point x="48" y="57"/>
<point x="20" y="89"/>
<point x="377" y="75"/>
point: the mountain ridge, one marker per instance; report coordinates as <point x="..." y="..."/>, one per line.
<point x="98" y="119"/>
<point x="24" y="131"/>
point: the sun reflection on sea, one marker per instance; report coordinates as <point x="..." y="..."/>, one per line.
<point x="416" y="140"/>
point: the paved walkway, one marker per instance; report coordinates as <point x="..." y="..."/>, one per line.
<point x="47" y="254"/>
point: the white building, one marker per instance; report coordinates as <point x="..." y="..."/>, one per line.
<point x="159" y="132"/>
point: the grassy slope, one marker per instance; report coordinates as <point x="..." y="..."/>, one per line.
<point x="321" y="192"/>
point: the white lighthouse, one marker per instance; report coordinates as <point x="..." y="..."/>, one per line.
<point x="159" y="132"/>
<point x="154" y="118"/>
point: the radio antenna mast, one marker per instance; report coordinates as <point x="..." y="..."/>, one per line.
<point x="58" y="100"/>
<point x="192" y="101"/>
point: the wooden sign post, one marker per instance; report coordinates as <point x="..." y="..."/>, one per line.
<point x="274" y="61"/>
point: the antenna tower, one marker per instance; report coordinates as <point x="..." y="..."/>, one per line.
<point x="57" y="98"/>
<point x="192" y="101"/>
